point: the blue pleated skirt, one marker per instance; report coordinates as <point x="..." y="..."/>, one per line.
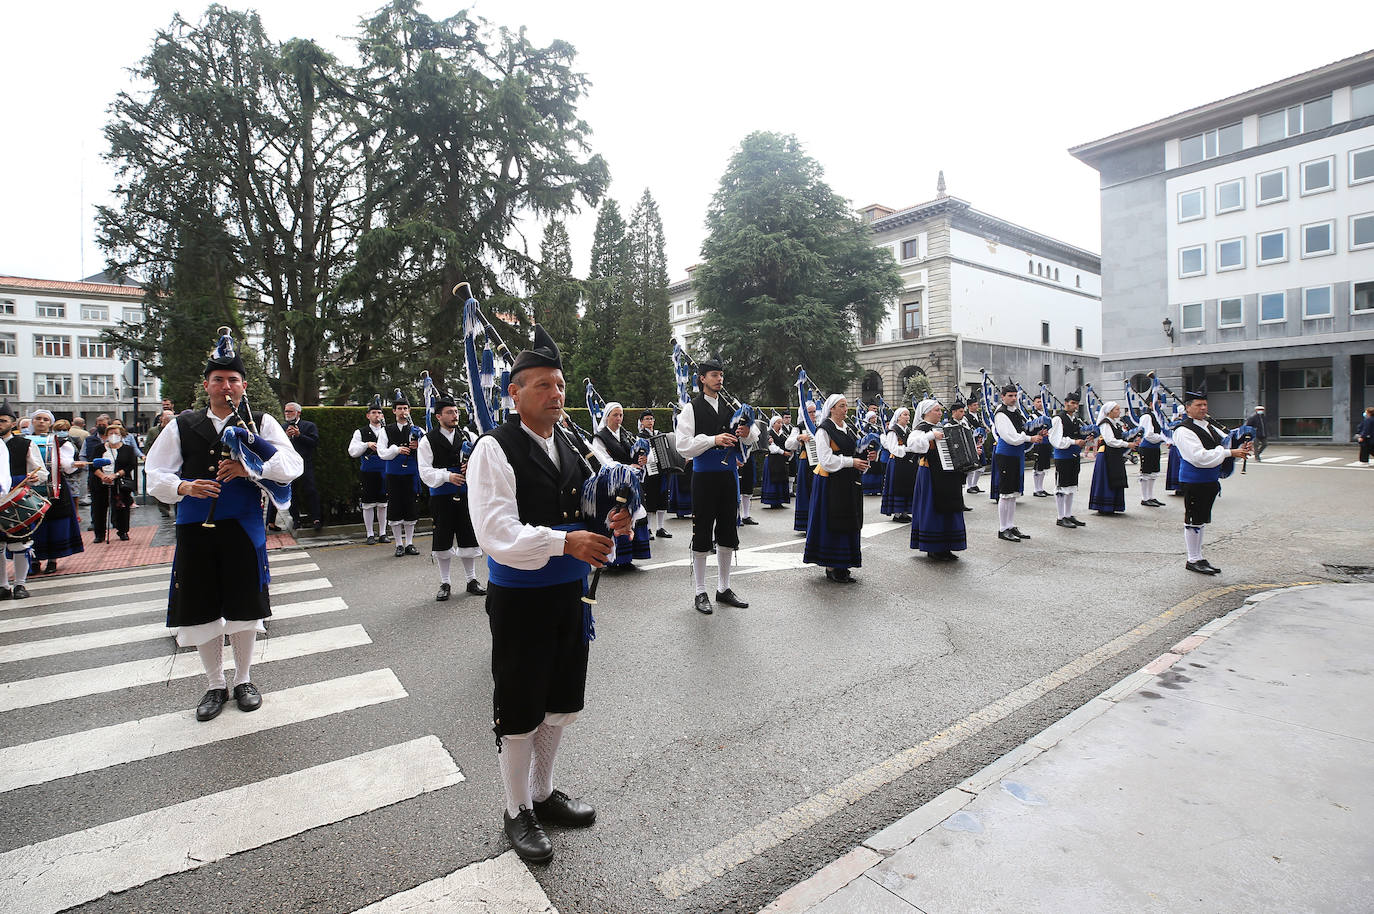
<point x="805" y="477"/>
<point x="775" y="494"/>
<point x="932" y="531"/>
<point x="824" y="546"/>
<point x="1171" y="477"/>
<point x="1102" y="497"/>
<point x="896" y="497"/>
<point x="680" y="495"/>
<point x="873" y="478"/>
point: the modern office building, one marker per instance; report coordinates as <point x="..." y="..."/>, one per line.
<point x="978" y="292"/>
<point x="1238" y="249"/>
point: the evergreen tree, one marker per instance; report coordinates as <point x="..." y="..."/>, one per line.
<point x="789" y="275"/>
<point x="640" y="370"/>
<point x="606" y="287"/>
<point x="556" y="293"/>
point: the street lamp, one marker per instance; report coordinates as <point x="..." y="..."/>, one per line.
<point x="1169" y="329"/>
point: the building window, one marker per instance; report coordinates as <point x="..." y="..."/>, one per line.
<point x="1045" y="375"/>
<point x="135" y="315"/>
<point x="9" y="344"/>
<point x="1316" y="303"/>
<point x="1219" y="142"/>
<point x="91" y="347"/>
<point x="1362" y="165"/>
<point x="52" y="385"/>
<point x="51" y="309"/>
<point x="1231" y="254"/>
<point x="911" y="249"/>
<point x="1271" y="186"/>
<point x="1191" y="261"/>
<point x="1318" y="176"/>
<point x="7" y="306"/>
<point x="1318" y="378"/>
<point x="1362" y="100"/>
<point x="1039" y="269"/>
<point x="97" y="385"/>
<point x="95" y="312"/>
<point x="1305" y="427"/>
<point x="1271" y="308"/>
<point x="1230" y="312"/>
<point x="1272" y="246"/>
<point x="1361" y="296"/>
<point x="1056" y="274"/>
<point x="1191" y="205"/>
<point x="1319" y="239"/>
<point x="1078" y="337"/>
<point x="9" y="384"/>
<point x="1079" y="377"/>
<point x="52" y="346"/>
<point x="1231" y="196"/>
<point x="1295" y="119"/>
<point x="1191" y="316"/>
<point x="1361" y="231"/>
<point x="148" y="387"/>
<point x="1078" y="280"/>
<point x="1030" y="267"/>
<point x="911" y="316"/>
<point x="1044" y="333"/>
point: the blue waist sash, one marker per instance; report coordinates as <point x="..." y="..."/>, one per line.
<point x="449" y="488"/>
<point x="371" y="463"/>
<point x="239" y="500"/>
<point x="401" y="465"/>
<point x="716" y="459"/>
<point x="1010" y="450"/>
<point x="1068" y="452"/>
<point x="1189" y="473"/>
<point x="558" y="570"/>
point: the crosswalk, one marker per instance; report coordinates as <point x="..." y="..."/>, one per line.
<point x="85" y="864"/>
<point x="1303" y="460"/>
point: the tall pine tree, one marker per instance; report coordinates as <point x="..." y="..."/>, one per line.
<point x="556" y="293"/>
<point x="789" y="274"/>
<point x="606" y="287"/>
<point x="641" y="372"/>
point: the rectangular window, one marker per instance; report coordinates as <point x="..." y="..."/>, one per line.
<point x="1190" y="205"/>
<point x="52" y="385"/>
<point x="1191" y="316"/>
<point x="1044" y="333"/>
<point x="1231" y="254"/>
<point x="911" y="249"/>
<point x="7" y="306"/>
<point x="9" y="384"/>
<point x="1318" y="176"/>
<point x="1230" y="312"/>
<point x="1316" y="303"/>
<point x="1362" y="165"/>
<point x="97" y="385"/>
<point x="52" y="346"/>
<point x="1362" y="100"/>
<point x="1079" y="378"/>
<point x="1271" y="186"/>
<point x="1272" y="246"/>
<point x="1319" y="239"/>
<point x="1191" y="261"/>
<point x="1295" y="119"/>
<point x="1231" y="196"/>
<point x="1078" y="338"/>
<point x="1305" y="427"/>
<point x="1045" y="375"/>
<point x="1361" y="231"/>
<point x="1219" y="142"/>
<point x="51" y="309"/>
<point x="1361" y="296"/>
<point x="135" y="315"/>
<point x="95" y="312"/>
<point x="1271" y="308"/>
<point x="9" y="344"/>
<point x="91" y="347"/>
<point x="911" y="316"/>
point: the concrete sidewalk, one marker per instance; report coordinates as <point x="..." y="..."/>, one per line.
<point x="1234" y="774"/>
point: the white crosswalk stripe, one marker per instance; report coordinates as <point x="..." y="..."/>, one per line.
<point x="500" y="884"/>
<point x="1357" y="464"/>
<point x="164" y="571"/>
<point x="46" y="598"/>
<point x="91" y="750"/>
<point x="72" y="869"/>
<point x="1319" y="461"/>
<point x="1280" y="458"/>
<point x="29" y="650"/>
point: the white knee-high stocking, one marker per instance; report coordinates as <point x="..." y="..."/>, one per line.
<point x="699" y="570"/>
<point x="243" y="644"/>
<point x="724" y="556"/>
<point x="546" y="740"/>
<point x="212" y="658"/>
<point x="514" y="755"/>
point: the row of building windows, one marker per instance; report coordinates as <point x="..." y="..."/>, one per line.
<point x="92" y="386"/>
<point x="1317" y="176"/>
<point x="56" y="346"/>
<point x="56" y="310"/>
<point x="1292" y="120"/>
<point x="682" y="309"/>
<point x="1272" y="307"/>
<point x="1316" y="239"/>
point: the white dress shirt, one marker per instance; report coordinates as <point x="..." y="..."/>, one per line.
<point x="391" y="451"/>
<point x="1006" y="432"/>
<point x="1151" y="426"/>
<point x="1191" y="449"/>
<point x="162" y="466"/>
<point x="1057" y="437"/>
<point x="496" y="514"/>
<point x="830" y="461"/>
<point x="1109" y="436"/>
<point x="690" y="444"/>
<point x="430" y="475"/>
<point x="918" y="442"/>
<point x="893" y="441"/>
<point x="357" y="447"/>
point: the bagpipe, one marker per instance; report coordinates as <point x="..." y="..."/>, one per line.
<point x="744" y="413"/>
<point x="431" y="394"/>
<point x="596" y="410"/>
<point x="1231" y="438"/>
<point x="1136" y="407"/>
<point x="991" y="401"/>
<point x="1035" y="423"/>
<point x="1088" y="430"/>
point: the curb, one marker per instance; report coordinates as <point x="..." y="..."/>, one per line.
<point x="839" y="873"/>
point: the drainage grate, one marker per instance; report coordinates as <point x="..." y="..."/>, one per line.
<point x="1349" y="569"/>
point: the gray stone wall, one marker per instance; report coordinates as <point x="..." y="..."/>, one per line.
<point x="935" y="357"/>
<point x="1135" y="281"/>
<point x="1027" y="365"/>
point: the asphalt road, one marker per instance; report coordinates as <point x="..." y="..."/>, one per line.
<point x="729" y="756"/>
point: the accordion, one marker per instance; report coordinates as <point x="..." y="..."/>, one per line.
<point x="663" y="457"/>
<point x="813" y="457"/>
<point x="957" y="450"/>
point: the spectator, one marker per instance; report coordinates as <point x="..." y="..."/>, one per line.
<point x="78" y="432"/>
<point x="113" y="486"/>
<point x="1256" y="421"/>
<point x="167" y="416"/>
<point x="305" y="437"/>
<point x="59" y="534"/>
<point x="92" y="448"/>
<point x="1365" y="435"/>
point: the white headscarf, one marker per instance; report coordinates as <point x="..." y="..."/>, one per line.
<point x="1106" y="408"/>
<point x="872" y="414"/>
<point x="43" y="412"/>
<point x="893" y="423"/>
<point x="830" y="402"/>
<point x="775" y="420"/>
<point x="926" y="406"/>
<point x="607" y="411"/>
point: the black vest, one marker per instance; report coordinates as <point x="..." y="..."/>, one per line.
<point x="1070" y="424"/>
<point x="1205" y="435"/>
<point x="367" y="434"/>
<point x="1018" y="421"/>
<point x="842" y="442"/>
<point x="544" y="497"/>
<point x="200" y="445"/>
<point x="445" y="453"/>
<point x="19" y="455"/>
<point x="902" y="434"/>
<point x="707" y="421"/>
<point x="617" y="445"/>
<point x="1116" y="429"/>
<point x="778" y="438"/>
<point x="396" y="436"/>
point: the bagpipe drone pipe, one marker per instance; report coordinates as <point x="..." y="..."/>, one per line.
<point x="744" y="413"/>
<point x="1035" y="422"/>
<point x="991" y="401"/>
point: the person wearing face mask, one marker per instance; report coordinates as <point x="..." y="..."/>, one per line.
<point x="60" y="533"/>
<point x="112" y="496"/>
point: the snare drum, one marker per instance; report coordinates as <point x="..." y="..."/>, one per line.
<point x="21" y="511"/>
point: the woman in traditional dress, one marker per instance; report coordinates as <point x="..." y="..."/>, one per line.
<point x="613" y="443"/>
<point x="837" y="507"/>
<point x="937" y="526"/>
<point x="60" y="533"/>
<point x="775" y="466"/>
<point x="874" y="476"/>
<point x="1108" y="493"/>
<point x="806" y="473"/>
<point x="899" y="481"/>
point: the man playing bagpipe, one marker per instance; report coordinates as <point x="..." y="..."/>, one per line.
<point x="1151" y="443"/>
<point x="364" y="446"/>
<point x="525" y="486"/>
<point x="442" y="465"/>
<point x="402" y="475"/>
<point x="1202" y="450"/>
<point x="1067" y="438"/>
<point x="1009" y="479"/>
<point x="214" y="466"/>
<point x="1042" y="452"/>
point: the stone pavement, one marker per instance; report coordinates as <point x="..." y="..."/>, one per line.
<point x="1233" y="774"/>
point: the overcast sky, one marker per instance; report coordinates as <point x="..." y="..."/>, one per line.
<point x="884" y="95"/>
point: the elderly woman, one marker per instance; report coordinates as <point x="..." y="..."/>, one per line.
<point x="60" y="533"/>
<point x="874" y="476"/>
<point x="1108" y="493"/>
<point x="113" y="495"/>
<point x="775" y="474"/>
<point x="899" y="481"/>
<point x="837" y="507"/>
<point x="937" y="527"/>
<point x="613" y="443"/>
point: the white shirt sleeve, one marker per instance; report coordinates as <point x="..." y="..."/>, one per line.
<point x="357" y="447"/>
<point x="496" y="516"/>
<point x="429" y="474"/>
<point x="1007" y="432"/>
<point x="35" y="462"/>
<point x="1057" y="437"/>
<point x="385" y="449"/>
<point x="689" y="444"/>
<point x="1109" y="435"/>
<point x="1191" y="449"/>
<point x="830" y="461"/>
<point x="918" y="442"/>
<point x="773" y="447"/>
<point x="793" y="440"/>
<point x="1152" y="434"/>
<point x="599" y="449"/>
<point x="894" y="444"/>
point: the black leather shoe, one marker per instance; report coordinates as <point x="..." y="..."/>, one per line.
<point x="1065" y="522"/>
<point x="750" y="521"/>
<point x="411" y="550"/>
<point x="384" y="538"/>
<point x="703" y="604"/>
<point x="842" y="576"/>
<point x="967" y="508"/>
<point x="903" y="518"/>
<point x="1077" y="521"/>
<point x="20" y="592"/>
<point x="1211" y="569"/>
<point x="974" y="491"/>
<point x="663" y="534"/>
<point x="1008" y="536"/>
<point x="476" y="589"/>
<point x="1041" y="494"/>
<point x="944" y="556"/>
<point x="727" y="596"/>
<point x="400" y="550"/>
<point x="527" y="837"/>
<point x="247" y="696"/>
<point x="4" y="593"/>
<point x="211" y="704"/>
<point x="1199" y="567"/>
<point x="371" y="540"/>
<point x="561" y="809"/>
<point x="442" y="595"/>
<point x="1024" y="536"/>
<point x="124" y="536"/>
<point x="273" y="528"/>
<point x="1155" y="503"/>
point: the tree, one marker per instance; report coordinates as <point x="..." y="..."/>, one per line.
<point x="788" y="273"/>
<point x="640" y="369"/>
<point x="556" y="293"/>
<point x="917" y="387"/>
<point x="606" y="288"/>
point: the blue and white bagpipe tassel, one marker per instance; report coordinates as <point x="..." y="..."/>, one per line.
<point x="804" y="391"/>
<point x="253" y="451"/>
<point x="613" y="487"/>
<point x="596" y="405"/>
<point x="481" y="370"/>
<point x="1232" y="440"/>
